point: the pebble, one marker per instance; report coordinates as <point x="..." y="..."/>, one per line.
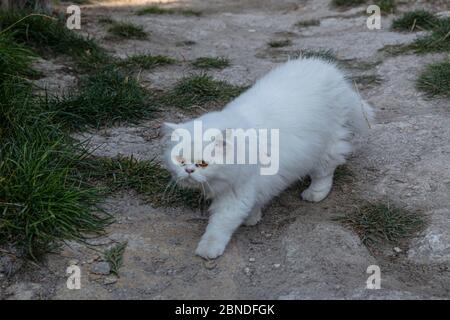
<point x="268" y="235"/>
<point x="102" y="267"/>
<point x="210" y="264"/>
<point x="277" y="265"/>
<point x="251" y="259"/>
<point x="397" y="249"/>
<point x="247" y="271"/>
<point x="73" y="262"/>
<point x="110" y="280"/>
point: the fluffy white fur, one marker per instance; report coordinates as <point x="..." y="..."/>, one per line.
<point x="316" y="111"/>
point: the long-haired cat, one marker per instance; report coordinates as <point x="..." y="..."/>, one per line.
<point x="316" y="111"/>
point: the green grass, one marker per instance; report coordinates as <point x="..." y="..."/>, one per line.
<point x="105" y="20"/>
<point x="437" y="41"/>
<point x="386" y="6"/>
<point x="42" y="199"/>
<point x="107" y="97"/>
<point x="415" y="20"/>
<point x="435" y="79"/>
<point x="200" y="90"/>
<point x="153" y="9"/>
<point x="81" y="1"/>
<point x="347" y="3"/>
<point x="323" y="54"/>
<point x="114" y="256"/>
<point x="15" y="59"/>
<point x="279" y="43"/>
<point x="145" y="177"/>
<point x="211" y="63"/>
<point x="308" y="23"/>
<point x="127" y="30"/>
<point x="145" y="61"/>
<point x="377" y="223"/>
<point x="48" y="35"/>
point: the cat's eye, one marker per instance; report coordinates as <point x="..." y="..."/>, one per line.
<point x="201" y="164"/>
<point x="180" y="160"/>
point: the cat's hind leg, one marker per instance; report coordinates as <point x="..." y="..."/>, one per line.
<point x="254" y="217"/>
<point x="320" y="187"/>
<point x="322" y="175"/>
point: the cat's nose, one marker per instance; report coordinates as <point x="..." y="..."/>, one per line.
<point x="189" y="170"/>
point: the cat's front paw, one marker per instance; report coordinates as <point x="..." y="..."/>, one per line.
<point x="314" y="196"/>
<point x="210" y="247"/>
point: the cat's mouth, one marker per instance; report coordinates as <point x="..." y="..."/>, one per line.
<point x="190" y="182"/>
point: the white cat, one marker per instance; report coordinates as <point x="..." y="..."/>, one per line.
<point x="316" y="111"/>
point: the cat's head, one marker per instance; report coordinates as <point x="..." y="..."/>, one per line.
<point x="192" y="168"/>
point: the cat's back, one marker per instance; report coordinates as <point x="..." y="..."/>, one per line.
<point x="302" y="71"/>
<point x="293" y="89"/>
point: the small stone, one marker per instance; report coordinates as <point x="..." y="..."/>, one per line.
<point x="9" y="265"/>
<point x="251" y="259"/>
<point x="247" y="271"/>
<point x="94" y="277"/>
<point x="73" y="262"/>
<point x="210" y="264"/>
<point x="110" y="280"/>
<point x="397" y="249"/>
<point x="276" y="265"/>
<point x="268" y="235"/>
<point x="102" y="267"/>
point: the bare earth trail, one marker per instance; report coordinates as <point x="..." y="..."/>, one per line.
<point x="297" y="251"/>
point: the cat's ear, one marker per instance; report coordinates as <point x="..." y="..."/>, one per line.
<point x="168" y="127"/>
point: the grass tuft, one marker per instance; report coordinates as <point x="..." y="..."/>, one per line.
<point x="280" y="43"/>
<point x="145" y="61"/>
<point x="211" y="63"/>
<point x="105" y="20"/>
<point x="347" y="3"/>
<point x="49" y="35"/>
<point x="114" y="256"/>
<point x="323" y="54"/>
<point x="154" y="9"/>
<point x="146" y="177"/>
<point x="437" y="41"/>
<point x="127" y="30"/>
<point x="415" y="20"/>
<point x="308" y="23"/>
<point x="435" y="79"/>
<point x="386" y="6"/>
<point x="15" y="59"/>
<point x="104" y="98"/>
<point x="378" y="223"/>
<point x="42" y="199"/>
<point x="199" y="90"/>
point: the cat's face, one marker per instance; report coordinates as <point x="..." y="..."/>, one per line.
<point x="190" y="171"/>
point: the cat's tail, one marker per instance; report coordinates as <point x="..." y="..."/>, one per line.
<point x="361" y="117"/>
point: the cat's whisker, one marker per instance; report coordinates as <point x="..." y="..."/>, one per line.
<point x="165" y="190"/>
<point x="172" y="189"/>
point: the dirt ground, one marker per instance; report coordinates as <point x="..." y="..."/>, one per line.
<point x="297" y="251"/>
